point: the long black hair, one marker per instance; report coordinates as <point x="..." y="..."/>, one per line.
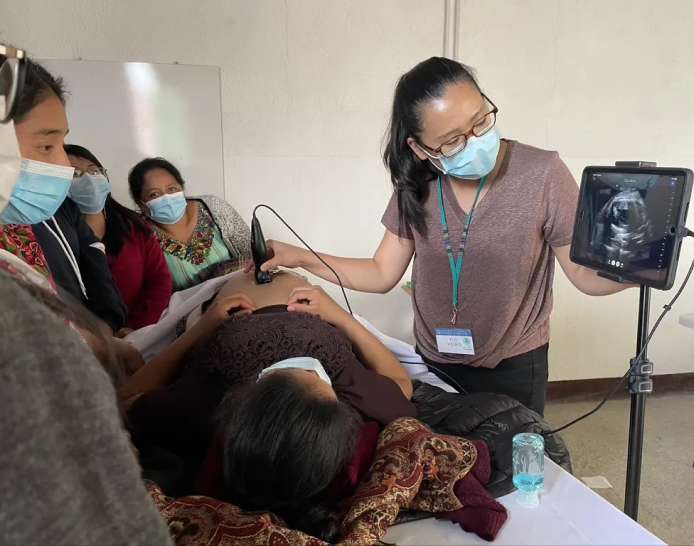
<point x="284" y="447"/>
<point x="136" y="177"/>
<point x="410" y="175"/>
<point x="39" y="83"/>
<point x="120" y="220"/>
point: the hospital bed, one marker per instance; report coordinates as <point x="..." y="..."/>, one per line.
<point x="569" y="514"/>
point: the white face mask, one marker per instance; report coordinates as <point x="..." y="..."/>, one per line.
<point x="298" y="363"/>
<point x="10" y="159"/>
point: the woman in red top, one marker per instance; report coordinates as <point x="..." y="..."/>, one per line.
<point x="137" y="263"/>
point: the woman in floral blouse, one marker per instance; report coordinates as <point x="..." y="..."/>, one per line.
<point x="202" y="237"/>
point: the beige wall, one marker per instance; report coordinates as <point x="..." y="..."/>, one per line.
<point x="306" y="91"/>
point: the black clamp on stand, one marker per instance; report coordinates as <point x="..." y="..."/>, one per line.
<point x="640" y="386"/>
<point x="640" y="381"/>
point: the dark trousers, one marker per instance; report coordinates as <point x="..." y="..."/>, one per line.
<point x="523" y="377"/>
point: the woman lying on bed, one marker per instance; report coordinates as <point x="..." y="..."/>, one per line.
<point x="297" y="375"/>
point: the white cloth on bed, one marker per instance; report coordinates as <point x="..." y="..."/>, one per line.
<point x="151" y="340"/>
<point x="407" y="355"/>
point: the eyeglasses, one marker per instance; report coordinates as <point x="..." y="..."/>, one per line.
<point x="458" y="142"/>
<point x="91" y="170"/>
<point x="12" y="73"/>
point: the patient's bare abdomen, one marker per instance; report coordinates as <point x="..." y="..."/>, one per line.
<point x="275" y="293"/>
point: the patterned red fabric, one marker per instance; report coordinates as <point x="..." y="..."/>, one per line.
<point x="21" y="241"/>
<point x="413" y="469"/>
<point x="203" y="521"/>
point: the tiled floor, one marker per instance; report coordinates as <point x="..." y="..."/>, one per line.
<point x="599" y="448"/>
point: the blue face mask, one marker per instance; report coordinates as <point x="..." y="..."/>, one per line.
<point x="476" y="160"/>
<point x="90" y="191"/>
<point x="301" y="363"/>
<point x="168" y="209"/>
<point x="40" y="190"/>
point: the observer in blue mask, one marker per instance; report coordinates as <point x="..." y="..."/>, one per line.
<point x="168" y="209"/>
<point x="39" y="191"/>
<point x="90" y="192"/>
<point x="31" y="191"/>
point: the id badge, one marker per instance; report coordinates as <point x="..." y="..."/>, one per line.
<point x="455" y="341"/>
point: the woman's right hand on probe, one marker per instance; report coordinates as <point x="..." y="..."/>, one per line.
<point x="281" y="254"/>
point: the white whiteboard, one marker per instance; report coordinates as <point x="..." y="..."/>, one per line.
<point x="124" y="112"/>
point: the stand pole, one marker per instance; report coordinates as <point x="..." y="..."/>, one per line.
<point x="640" y="385"/>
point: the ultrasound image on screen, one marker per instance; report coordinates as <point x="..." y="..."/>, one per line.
<point x="627" y="221"/>
<point x="623" y="230"/>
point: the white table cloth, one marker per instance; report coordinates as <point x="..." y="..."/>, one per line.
<point x="569" y="514"/>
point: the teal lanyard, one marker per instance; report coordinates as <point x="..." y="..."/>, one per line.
<point x="456" y="264"/>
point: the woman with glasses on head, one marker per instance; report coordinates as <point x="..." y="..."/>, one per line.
<point x="69" y="472"/>
<point x="136" y="261"/>
<point x="43" y="227"/>
<point x="483" y="219"/>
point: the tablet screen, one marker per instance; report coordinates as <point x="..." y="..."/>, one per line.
<point x="628" y="221"/>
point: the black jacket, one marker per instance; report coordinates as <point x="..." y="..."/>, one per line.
<point x="494" y="418"/>
<point x="103" y="298"/>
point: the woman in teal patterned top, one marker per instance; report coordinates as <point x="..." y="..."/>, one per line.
<point x="201" y="237"/>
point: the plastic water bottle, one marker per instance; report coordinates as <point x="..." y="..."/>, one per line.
<point x="529" y="467"/>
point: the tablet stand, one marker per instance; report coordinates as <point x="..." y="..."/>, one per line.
<point x="640" y="386"/>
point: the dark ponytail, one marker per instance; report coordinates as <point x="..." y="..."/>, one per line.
<point x="410" y="175"/>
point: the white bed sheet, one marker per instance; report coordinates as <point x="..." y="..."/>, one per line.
<point x="152" y="339"/>
<point x="407" y="355"/>
<point x="569" y="514"/>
